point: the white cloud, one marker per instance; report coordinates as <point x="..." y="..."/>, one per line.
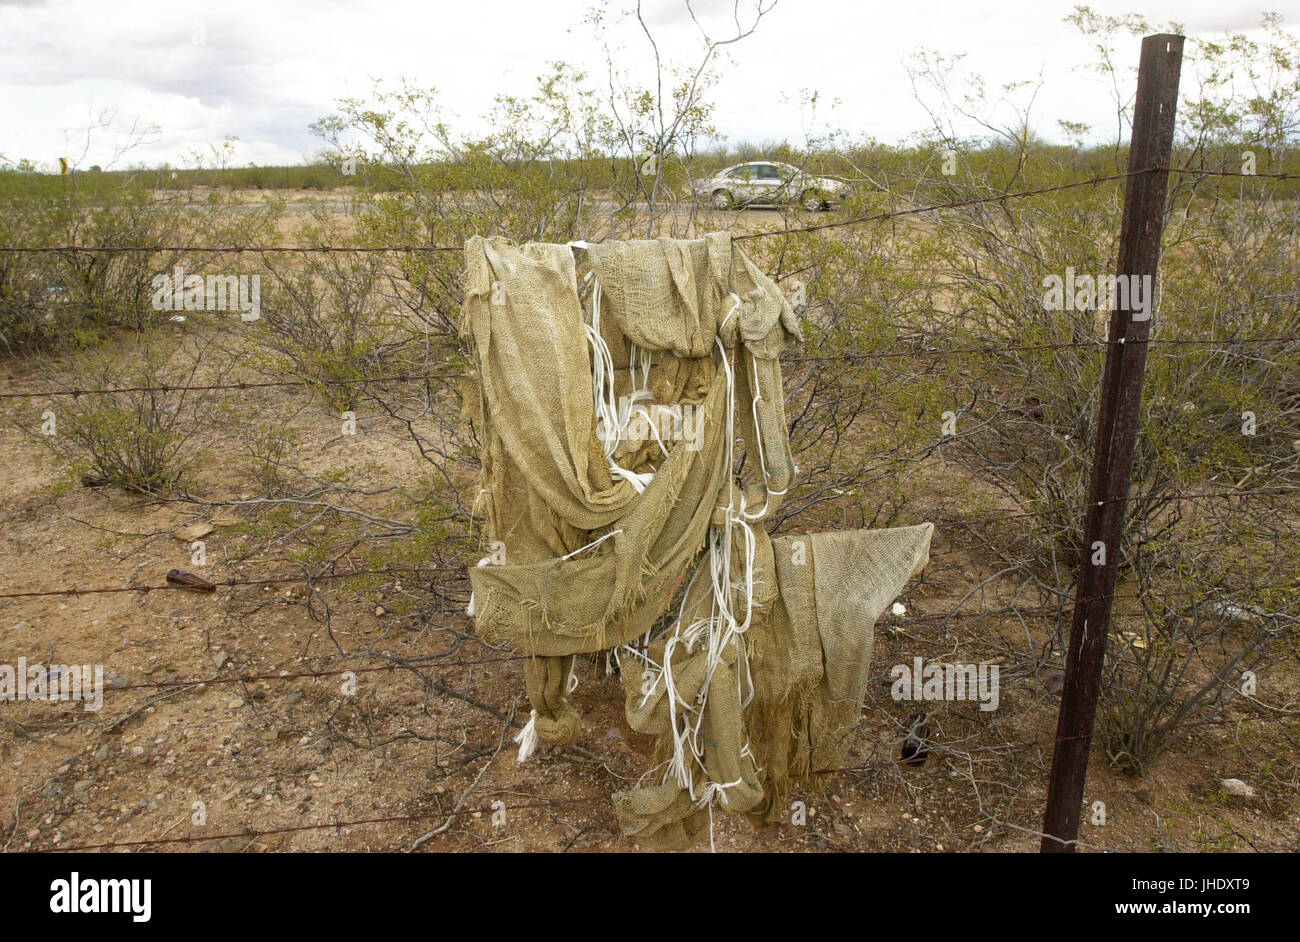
<point x="262" y="70"/>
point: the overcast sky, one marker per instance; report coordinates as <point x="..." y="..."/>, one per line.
<point x="261" y="71"/>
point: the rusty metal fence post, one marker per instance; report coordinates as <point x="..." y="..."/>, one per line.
<point x="1117" y="427"/>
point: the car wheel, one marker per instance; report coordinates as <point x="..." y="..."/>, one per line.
<point x="813" y="200"/>
<point x="721" y="199"/>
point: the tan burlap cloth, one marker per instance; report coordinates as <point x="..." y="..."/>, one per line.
<point x="745" y="655"/>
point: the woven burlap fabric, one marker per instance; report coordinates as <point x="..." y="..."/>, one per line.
<point x="547" y="489"/>
<point x="548" y="492"/>
<point x="832" y="588"/>
<point x="809" y="656"/>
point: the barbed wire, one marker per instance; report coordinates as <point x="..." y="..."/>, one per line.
<point x="987" y="350"/>
<point x="796" y="230"/>
<point x="934" y="207"/>
<point x="959" y="522"/>
<point x="995" y="198"/>
<point x="996" y="349"/>
<point x="405" y="664"/>
<point x="253" y="833"/>
<point x="433" y="662"/>
<point x="169" y="387"/>
<point x="211" y="585"/>
<point x="223" y="249"/>
<point x="1198" y="172"/>
<point x="430" y="661"/>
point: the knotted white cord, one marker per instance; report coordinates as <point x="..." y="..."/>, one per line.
<point x="714" y="790"/>
<point x="721" y="627"/>
<point x="527" y="737"/>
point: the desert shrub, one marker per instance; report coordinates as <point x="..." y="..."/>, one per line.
<point x="144" y="437"/>
<point x="1217" y="469"/>
<point x="325" y="319"/>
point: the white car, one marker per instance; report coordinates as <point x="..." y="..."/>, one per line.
<point x="767" y="183"/>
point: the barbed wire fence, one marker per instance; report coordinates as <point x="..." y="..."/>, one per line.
<point x="878" y="771"/>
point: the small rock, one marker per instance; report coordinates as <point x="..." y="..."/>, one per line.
<point x="379" y="610"/>
<point x="119" y="682"/>
<point x="1237" y="788"/>
<point x="137" y="751"/>
<point x="220" y="659"/>
<point x="81" y="786"/>
<point x="1143" y="796"/>
<point x="978" y="829"/>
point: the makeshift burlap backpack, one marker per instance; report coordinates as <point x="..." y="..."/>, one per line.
<point x="609" y="445"/>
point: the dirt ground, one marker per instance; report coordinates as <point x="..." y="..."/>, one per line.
<point x="188" y="754"/>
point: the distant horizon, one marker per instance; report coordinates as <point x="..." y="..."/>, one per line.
<point x="704" y="154"/>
